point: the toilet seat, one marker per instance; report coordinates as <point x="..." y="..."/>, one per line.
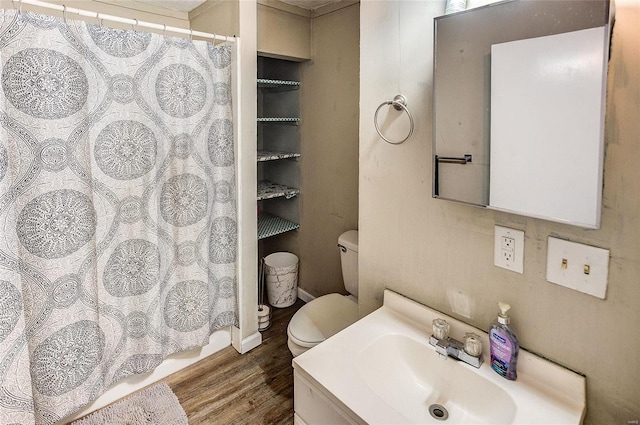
<point x="321" y="318"/>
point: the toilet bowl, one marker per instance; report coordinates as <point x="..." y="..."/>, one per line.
<point x="318" y="320"/>
<point x="327" y="315"/>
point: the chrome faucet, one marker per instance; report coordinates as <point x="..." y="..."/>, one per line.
<point x="470" y="352"/>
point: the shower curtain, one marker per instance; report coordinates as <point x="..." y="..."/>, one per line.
<point x="117" y="207"/>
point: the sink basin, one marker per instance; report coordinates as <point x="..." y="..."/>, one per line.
<point x="382" y="370"/>
<point x="394" y="361"/>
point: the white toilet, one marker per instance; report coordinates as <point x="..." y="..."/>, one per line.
<point x="329" y="314"/>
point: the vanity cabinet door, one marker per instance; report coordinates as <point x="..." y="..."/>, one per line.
<point x="312" y="407"/>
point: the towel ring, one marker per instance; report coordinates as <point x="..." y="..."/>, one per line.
<point x="399" y="102"/>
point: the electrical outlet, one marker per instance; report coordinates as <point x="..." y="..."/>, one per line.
<point x="507" y="256"/>
<point x="576" y="266"/>
<point x="509" y="249"/>
<point x="507" y="243"/>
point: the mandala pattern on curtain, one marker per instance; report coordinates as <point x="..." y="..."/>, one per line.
<point x="117" y="207"/>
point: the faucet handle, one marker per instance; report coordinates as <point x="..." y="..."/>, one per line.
<point x="440" y="328"/>
<point x="472" y="344"/>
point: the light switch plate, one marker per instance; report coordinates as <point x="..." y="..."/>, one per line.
<point x="577" y="266"/>
<point x="508" y="251"/>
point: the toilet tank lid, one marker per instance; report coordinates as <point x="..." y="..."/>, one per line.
<point x="349" y="240"/>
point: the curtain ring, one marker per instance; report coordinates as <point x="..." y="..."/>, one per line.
<point x="64" y="13"/>
<point x="191" y="34"/>
<point x="20" y="7"/>
<point x="99" y="19"/>
<point x="134" y="25"/>
<point x="164" y="30"/>
<point x="399" y="103"/>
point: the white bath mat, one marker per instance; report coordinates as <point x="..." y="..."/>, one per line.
<point x="155" y="405"/>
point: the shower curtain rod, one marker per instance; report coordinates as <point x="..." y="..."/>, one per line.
<point x="133" y="22"/>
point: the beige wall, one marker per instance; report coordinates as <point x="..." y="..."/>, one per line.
<point x="217" y="16"/>
<point x="125" y="8"/>
<point x="329" y="146"/>
<point x="441" y="253"/>
<point x="283" y="31"/>
<point x="329" y="162"/>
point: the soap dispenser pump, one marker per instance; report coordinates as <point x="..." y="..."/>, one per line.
<point x="504" y="345"/>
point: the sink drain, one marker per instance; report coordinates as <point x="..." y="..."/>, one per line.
<point x="439" y="412"/>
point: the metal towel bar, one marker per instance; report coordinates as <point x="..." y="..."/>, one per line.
<point x="463" y="160"/>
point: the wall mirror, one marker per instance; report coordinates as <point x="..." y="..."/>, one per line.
<point x="519" y="102"/>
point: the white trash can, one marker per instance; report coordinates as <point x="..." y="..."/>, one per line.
<point x="281" y="276"/>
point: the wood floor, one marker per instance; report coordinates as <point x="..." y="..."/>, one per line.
<point x="253" y="388"/>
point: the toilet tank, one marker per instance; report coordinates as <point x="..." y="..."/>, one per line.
<point x="348" y="243"/>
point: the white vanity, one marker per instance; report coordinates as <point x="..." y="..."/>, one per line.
<point x="382" y="370"/>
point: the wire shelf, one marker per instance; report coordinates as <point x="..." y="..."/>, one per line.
<point x="270" y="190"/>
<point x="265" y="83"/>
<point x="279" y="120"/>
<point x="272" y="225"/>
<point x="267" y="155"/>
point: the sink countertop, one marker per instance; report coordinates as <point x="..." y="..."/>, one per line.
<point x="543" y="393"/>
